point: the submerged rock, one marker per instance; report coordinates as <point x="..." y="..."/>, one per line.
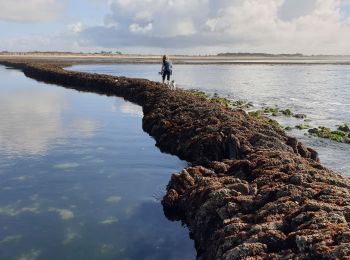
<point x="300" y="116"/>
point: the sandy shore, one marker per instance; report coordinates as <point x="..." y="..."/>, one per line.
<point x="64" y="58"/>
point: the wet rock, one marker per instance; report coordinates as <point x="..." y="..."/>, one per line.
<point x="300" y="116"/>
<point x="246" y="250"/>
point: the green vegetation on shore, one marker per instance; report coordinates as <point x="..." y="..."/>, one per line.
<point x="341" y="134"/>
<point x="302" y="126"/>
<point x="264" y="119"/>
<point x="198" y="93"/>
<point x="325" y="132"/>
<point x="222" y="100"/>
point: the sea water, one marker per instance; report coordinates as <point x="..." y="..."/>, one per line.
<point x="79" y="179"/>
<point x="322" y="92"/>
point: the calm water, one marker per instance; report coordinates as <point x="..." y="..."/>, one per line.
<point x="79" y="179"/>
<point x="320" y="91"/>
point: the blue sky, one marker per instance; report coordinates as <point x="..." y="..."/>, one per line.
<point x="176" y="26"/>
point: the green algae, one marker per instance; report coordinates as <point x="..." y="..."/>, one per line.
<point x="339" y="135"/>
<point x="65" y="214"/>
<point x="221" y="100"/>
<point x="242" y="104"/>
<point x="198" y="93"/>
<point x="238" y="103"/>
<point x="224" y="101"/>
<point x="256" y="114"/>
<point x="302" y="126"/>
<point x="275" y="111"/>
<point x="327" y="133"/>
<point x="114" y="199"/>
<point x="271" y="110"/>
<point x="287" y="112"/>
<point x="344" y="128"/>
<point x="259" y="114"/>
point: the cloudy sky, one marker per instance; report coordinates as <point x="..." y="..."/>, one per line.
<point x="176" y="26"/>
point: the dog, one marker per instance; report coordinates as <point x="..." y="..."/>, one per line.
<point x="172" y="85"/>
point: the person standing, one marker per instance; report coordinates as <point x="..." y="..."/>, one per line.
<point x="167" y="69"/>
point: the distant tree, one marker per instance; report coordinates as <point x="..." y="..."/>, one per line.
<point x="239" y="54"/>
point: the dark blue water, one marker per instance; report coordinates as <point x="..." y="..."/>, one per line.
<point x="79" y="179"/>
<point x="320" y="91"/>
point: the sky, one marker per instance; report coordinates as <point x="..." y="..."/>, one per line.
<point x="176" y="26"/>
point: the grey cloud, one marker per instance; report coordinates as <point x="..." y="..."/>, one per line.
<point x="111" y="38"/>
<point x="31" y="10"/>
<point x="292" y="9"/>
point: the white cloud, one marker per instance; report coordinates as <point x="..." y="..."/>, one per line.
<point x="183" y="26"/>
<point x="308" y="26"/>
<point x="31" y="10"/>
<point x="137" y="28"/>
<point x="28" y="110"/>
<point x="75" y="27"/>
<point x="34" y="122"/>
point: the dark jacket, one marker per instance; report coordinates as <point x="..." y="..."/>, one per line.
<point x="167" y="66"/>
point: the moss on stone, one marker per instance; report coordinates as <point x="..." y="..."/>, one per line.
<point x="287" y="112"/>
<point x="271" y="110"/>
<point x="259" y="114"/>
<point x="325" y="132"/>
<point x="224" y="101"/>
<point x="302" y="126"/>
<point x="241" y="104"/>
<point x="344" y="127"/>
<point x="198" y="93"/>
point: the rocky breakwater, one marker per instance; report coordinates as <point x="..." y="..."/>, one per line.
<point x="252" y="192"/>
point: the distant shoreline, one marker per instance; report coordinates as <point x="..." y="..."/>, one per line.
<point x="77" y="58"/>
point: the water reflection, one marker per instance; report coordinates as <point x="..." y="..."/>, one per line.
<point x="127" y="108"/>
<point x="30" y="121"/>
<point x="78" y="176"/>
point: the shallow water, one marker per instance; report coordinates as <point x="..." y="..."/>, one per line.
<point x="320" y="91"/>
<point x="79" y="179"/>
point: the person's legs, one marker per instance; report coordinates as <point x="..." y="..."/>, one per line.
<point x="163" y="76"/>
<point x="168" y="77"/>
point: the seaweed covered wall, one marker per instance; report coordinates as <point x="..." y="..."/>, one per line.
<point x="253" y="192"/>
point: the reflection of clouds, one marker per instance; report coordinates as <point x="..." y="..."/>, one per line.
<point x="30" y="120"/>
<point x="127" y="108"/>
<point x="85" y="127"/>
